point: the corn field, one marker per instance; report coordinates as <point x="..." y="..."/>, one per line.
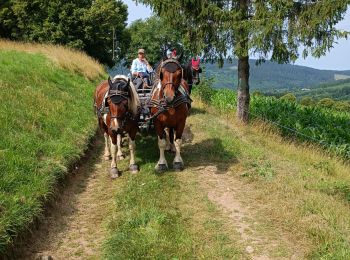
<point x="328" y="128"/>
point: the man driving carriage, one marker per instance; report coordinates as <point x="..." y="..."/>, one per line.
<point x="140" y="70"/>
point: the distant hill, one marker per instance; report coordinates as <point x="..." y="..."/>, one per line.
<point x="273" y="77"/>
<point x="339" y="90"/>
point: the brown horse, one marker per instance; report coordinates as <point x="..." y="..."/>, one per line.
<point x="169" y="109"/>
<point x="116" y="104"/>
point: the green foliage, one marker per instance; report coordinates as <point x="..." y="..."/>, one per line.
<point x="204" y="89"/>
<point x="83" y="24"/>
<point x="338" y="90"/>
<point x="155" y="37"/>
<point x="273" y="29"/>
<point x="307" y="101"/>
<point x="326" y="127"/>
<point x="289" y="97"/>
<point x="326" y="102"/>
<point x="46" y="122"/>
<point x="342" y="106"/>
<point x="257" y="93"/>
<point x="274" y="79"/>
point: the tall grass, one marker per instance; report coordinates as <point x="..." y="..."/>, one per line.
<point x="72" y="60"/>
<point x="46" y="121"/>
<point x="323" y="126"/>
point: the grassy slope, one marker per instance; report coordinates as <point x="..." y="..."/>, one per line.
<point x="46" y="121"/>
<point x="295" y="189"/>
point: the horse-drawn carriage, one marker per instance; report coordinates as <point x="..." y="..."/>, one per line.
<point x="162" y="104"/>
<point x="144" y="93"/>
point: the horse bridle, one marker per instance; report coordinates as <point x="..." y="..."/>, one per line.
<point x="163" y="65"/>
<point x="123" y="94"/>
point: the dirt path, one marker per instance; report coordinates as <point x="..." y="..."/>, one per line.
<point x="75" y="227"/>
<point x="241" y="211"/>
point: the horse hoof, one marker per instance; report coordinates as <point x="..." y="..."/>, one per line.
<point x="134" y="168"/>
<point x="120" y="157"/>
<point x="178" y="166"/>
<point x="114" y="173"/>
<point x="161" y="167"/>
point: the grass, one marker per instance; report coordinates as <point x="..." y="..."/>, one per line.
<point x="159" y="216"/>
<point x="324" y="127"/>
<point x="305" y="192"/>
<point x="68" y="59"/>
<point x="46" y="123"/>
<point x="298" y="192"/>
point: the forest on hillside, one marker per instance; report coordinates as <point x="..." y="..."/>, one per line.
<point x="272" y="77"/>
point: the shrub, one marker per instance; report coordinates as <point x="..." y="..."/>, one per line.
<point x="289" y="97"/>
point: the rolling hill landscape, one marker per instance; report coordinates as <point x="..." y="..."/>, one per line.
<point x="276" y="78"/>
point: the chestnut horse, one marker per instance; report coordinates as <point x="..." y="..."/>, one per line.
<point x="117" y="104"/>
<point x="169" y="109"/>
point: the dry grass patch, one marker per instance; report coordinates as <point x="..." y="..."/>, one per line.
<point x="72" y="60"/>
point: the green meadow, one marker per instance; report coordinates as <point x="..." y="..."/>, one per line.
<point x="46" y="122"/>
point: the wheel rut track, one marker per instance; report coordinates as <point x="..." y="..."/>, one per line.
<point x="73" y="226"/>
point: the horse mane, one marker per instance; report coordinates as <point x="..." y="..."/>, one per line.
<point x="187" y="71"/>
<point x="134" y="101"/>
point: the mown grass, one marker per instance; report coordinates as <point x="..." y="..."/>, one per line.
<point x="305" y="192"/>
<point x="46" y="122"/>
<point x="157" y="216"/>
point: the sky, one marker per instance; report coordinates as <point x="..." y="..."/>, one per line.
<point x="337" y="59"/>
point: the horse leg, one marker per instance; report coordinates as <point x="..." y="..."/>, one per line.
<point x="170" y="140"/>
<point x="167" y="136"/>
<point x="114" y="168"/>
<point x="178" y="163"/>
<point x="162" y="164"/>
<point x="120" y="155"/>
<point x="107" y="153"/>
<point x="133" y="166"/>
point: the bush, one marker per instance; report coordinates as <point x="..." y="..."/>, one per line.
<point x="289" y="97"/>
<point x="204" y="89"/>
<point x="307" y="101"/>
<point x="326" y="102"/>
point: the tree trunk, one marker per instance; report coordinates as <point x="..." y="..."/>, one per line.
<point x="243" y="96"/>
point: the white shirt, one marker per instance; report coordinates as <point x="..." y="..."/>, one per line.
<point x="138" y="66"/>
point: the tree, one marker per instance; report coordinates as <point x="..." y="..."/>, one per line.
<point x="289" y="97"/>
<point x="326" y="102"/>
<point x="307" y="101"/>
<point x="82" y="24"/>
<point x="155" y="36"/>
<point x="268" y="29"/>
<point x="99" y="20"/>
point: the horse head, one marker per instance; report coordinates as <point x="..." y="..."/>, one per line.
<point x="170" y="76"/>
<point x="196" y="69"/>
<point x="118" y="99"/>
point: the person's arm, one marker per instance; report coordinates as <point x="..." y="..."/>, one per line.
<point x="133" y="69"/>
<point x="148" y="66"/>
